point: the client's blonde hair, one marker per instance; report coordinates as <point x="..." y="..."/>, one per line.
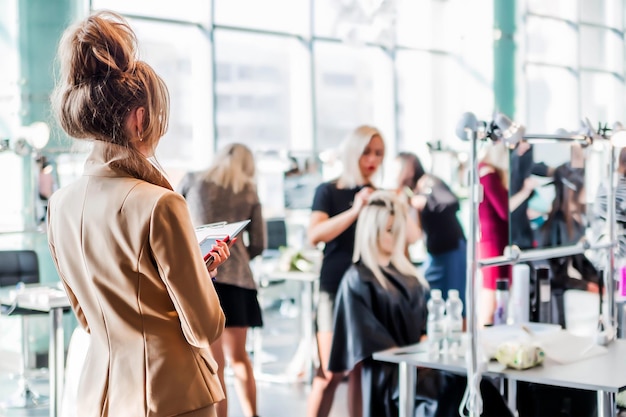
<point x="372" y="222"/>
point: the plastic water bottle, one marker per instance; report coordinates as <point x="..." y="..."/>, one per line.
<point x="519" y="311"/>
<point x="454" y="316"/>
<point x="502" y="301"/>
<point x="435" y="326"/>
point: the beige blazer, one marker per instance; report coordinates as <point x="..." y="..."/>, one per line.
<point x="127" y="255"/>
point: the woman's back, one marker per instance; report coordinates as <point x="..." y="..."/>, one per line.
<point x="111" y="236"/>
<point x="209" y="203"/>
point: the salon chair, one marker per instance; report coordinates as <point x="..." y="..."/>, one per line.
<point x="19" y="267"/>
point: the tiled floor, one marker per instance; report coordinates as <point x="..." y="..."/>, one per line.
<point x="279" y="340"/>
<point x="274" y="400"/>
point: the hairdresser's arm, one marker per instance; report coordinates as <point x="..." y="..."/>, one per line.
<point x="323" y="228"/>
<point x="413" y="227"/>
<point x="523" y="194"/>
<point x="416" y="205"/>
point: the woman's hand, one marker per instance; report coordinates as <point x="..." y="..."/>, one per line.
<point x="220" y="253"/>
<point x="360" y="198"/>
<point x="418" y="202"/>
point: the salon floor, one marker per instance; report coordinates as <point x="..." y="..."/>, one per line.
<point x="278" y="356"/>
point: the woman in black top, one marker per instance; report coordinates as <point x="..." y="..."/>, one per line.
<point x="336" y="206"/>
<point x="437" y="208"/>
<point x="566" y="225"/>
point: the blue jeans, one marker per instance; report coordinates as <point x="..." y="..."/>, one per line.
<point x="448" y="270"/>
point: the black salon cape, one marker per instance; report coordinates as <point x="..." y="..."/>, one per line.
<point x="370" y="318"/>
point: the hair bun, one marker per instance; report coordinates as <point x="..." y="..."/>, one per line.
<point x="106" y="47"/>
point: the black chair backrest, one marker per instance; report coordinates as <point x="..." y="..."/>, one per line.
<point x="18" y="266"/>
<point x="276" y="233"/>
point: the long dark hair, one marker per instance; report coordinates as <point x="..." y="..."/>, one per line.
<point x="410" y="159"/>
<point x="569" y="183"/>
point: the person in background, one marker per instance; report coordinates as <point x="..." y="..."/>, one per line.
<point x="335" y="208"/>
<point x="566" y="226"/>
<point x="226" y="191"/>
<point x="522" y="167"/>
<point x="437" y="207"/>
<point x="493" y="214"/>
<point x="122" y="240"/>
<point x="46" y="184"/>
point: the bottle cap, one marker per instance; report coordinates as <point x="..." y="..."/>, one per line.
<point x="435" y="293"/>
<point x="543" y="273"/>
<point x="502" y="284"/>
<point x="453" y="294"/>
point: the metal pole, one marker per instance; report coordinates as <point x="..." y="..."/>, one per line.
<point x="610" y="218"/>
<point x="56" y="359"/>
<point x="407" y="389"/>
<point x="607" y="406"/>
<point x="472" y="265"/>
<point x="306" y="314"/>
<point x="541" y="254"/>
<point x="557" y="138"/>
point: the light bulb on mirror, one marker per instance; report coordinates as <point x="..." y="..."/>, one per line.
<point x="510" y="132"/>
<point x="29" y="138"/>
<point x="467" y="122"/>
<point x="618" y="138"/>
<point x="37" y="135"/>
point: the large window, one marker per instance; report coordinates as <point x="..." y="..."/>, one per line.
<point x="193" y="11"/>
<point x="288" y="16"/>
<point x="261" y="91"/>
<point x="300" y="74"/>
<point x="183" y="60"/>
<point x="573" y="63"/>
<point x="552" y="99"/>
<point x="353" y="86"/>
<point x="10" y="164"/>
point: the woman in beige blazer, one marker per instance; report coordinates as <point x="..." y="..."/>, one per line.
<point x="123" y="242"/>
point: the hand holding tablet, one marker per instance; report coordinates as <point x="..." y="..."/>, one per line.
<point x="215" y="240"/>
<point x="219" y="253"/>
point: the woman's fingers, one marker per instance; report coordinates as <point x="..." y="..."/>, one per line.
<point x="220" y="253"/>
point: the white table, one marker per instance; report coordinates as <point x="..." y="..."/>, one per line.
<point x="53" y="301"/>
<point x="308" y="287"/>
<point x="605" y="374"/>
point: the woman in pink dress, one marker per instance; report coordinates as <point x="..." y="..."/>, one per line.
<point x="493" y="214"/>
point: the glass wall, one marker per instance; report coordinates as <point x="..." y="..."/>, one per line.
<point x="289" y="78"/>
<point x="293" y="77"/>
<point x="10" y="163"/>
<point x="573" y="61"/>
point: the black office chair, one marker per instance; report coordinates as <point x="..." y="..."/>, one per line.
<point x="21" y="266"/>
<point x="276" y="236"/>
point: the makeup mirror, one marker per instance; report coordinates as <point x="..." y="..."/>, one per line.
<point x="547" y="194"/>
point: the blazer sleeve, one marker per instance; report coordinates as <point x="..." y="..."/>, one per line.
<point x="179" y="261"/>
<point x="257" y="231"/>
<point x="78" y="311"/>
<point x="185" y="184"/>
